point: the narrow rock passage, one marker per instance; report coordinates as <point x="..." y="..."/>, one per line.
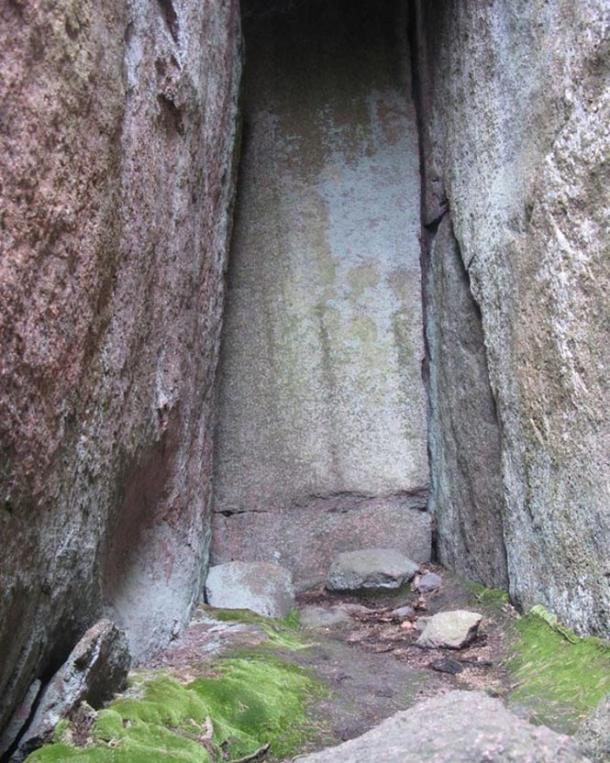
<point x="321" y="441"/>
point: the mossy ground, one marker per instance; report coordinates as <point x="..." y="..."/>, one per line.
<point x="283" y="634"/>
<point x="492" y="597"/>
<point x="252" y="700"/>
<point x="558" y="675"/>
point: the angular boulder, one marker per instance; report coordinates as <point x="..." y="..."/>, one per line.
<point x="459" y="727"/>
<point x="451" y="630"/>
<point x="370" y="568"/>
<point x="95" y="670"/>
<point x="261" y="587"/>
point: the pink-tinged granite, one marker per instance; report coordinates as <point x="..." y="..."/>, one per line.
<point x="117" y="135"/>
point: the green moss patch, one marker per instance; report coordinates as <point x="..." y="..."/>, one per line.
<point x="493" y="597"/>
<point x="247" y="703"/>
<point x="283" y="634"/>
<point x="558" y="675"/>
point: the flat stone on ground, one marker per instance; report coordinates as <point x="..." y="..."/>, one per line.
<point x="427" y="582"/>
<point x="371" y="568"/>
<point x="452" y="630"/>
<point x="459" y="727"/>
<point x="319" y="617"/>
<point x="261" y="587"/>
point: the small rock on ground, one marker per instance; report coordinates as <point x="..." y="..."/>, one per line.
<point x="320" y="617"/>
<point x="593" y="736"/>
<point x="95" y="670"/>
<point x="428" y="582"/>
<point x="459" y="727"/>
<point x="261" y="587"/>
<point x="370" y="568"/>
<point x="452" y="630"/>
<point x="403" y="612"/>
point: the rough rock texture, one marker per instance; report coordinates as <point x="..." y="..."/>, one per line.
<point x="95" y="670"/>
<point x="593" y="735"/>
<point x="321" y="393"/>
<point x="451" y="630"/>
<point x="460" y="727"/>
<point x="306" y="539"/>
<point x="19" y="718"/>
<point x="259" y="586"/>
<point x="515" y="115"/>
<point x="319" y="617"/>
<point x="370" y="568"/>
<point x="467" y="495"/>
<point x="116" y="151"/>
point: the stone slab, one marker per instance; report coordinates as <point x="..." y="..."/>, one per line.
<point x="306" y="541"/>
<point x="258" y="586"/>
<point x="460" y="727"/>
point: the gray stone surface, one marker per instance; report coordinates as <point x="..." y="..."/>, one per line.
<point x="370" y="568"/>
<point x="427" y="582"/>
<point x="95" y="670"/>
<point x="515" y="110"/>
<point x="116" y="168"/>
<point x="460" y="727"/>
<point x="593" y="735"/>
<point x="321" y="617"/>
<point x="259" y="586"/>
<point x="306" y="539"/>
<point x="467" y="494"/>
<point x="321" y="392"/>
<point x="451" y="630"/>
<point x="20" y="717"/>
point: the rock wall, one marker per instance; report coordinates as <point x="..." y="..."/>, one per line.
<point x="116" y="163"/>
<point x="515" y="115"/>
<point x="321" y="403"/>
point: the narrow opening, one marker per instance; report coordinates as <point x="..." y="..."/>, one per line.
<point x="321" y="440"/>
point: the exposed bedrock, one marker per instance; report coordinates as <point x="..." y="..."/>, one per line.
<point x="117" y="141"/>
<point x="321" y="400"/>
<point x="515" y="108"/>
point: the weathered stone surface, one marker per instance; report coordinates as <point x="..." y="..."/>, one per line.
<point x="467" y="494"/>
<point x="370" y="568"/>
<point x="95" y="670"/>
<point x="452" y="630"/>
<point x="427" y="582"/>
<point x="460" y="727"/>
<point x="306" y="539"/>
<point x="321" y="393"/>
<point x="259" y="586"/>
<point x="593" y="735"/>
<point x="515" y="110"/>
<point x="116" y="150"/>
<point x="320" y="617"/>
<point x="19" y="718"/>
<point x="403" y="612"/>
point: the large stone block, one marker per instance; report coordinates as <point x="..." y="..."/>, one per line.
<point x="116" y="152"/>
<point x="515" y="103"/>
<point x="321" y="392"/>
<point x="306" y="540"/>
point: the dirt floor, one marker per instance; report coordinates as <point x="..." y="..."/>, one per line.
<point x="370" y="663"/>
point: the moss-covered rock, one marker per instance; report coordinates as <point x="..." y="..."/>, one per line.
<point x="246" y="703"/>
<point x="558" y="675"/>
